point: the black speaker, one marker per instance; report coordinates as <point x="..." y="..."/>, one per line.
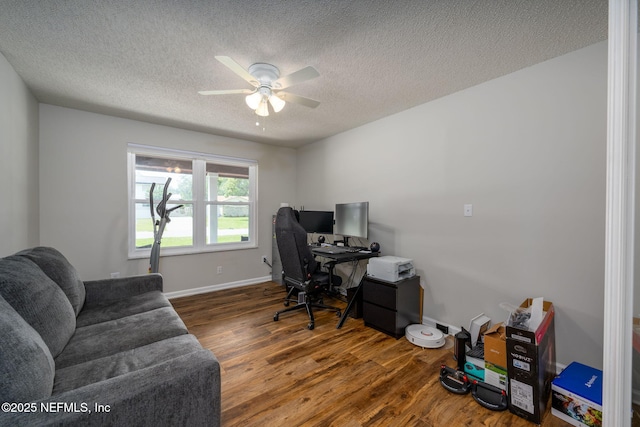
<point x="462" y="339"/>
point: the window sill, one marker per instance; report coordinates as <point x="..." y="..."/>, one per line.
<point x="166" y="252"/>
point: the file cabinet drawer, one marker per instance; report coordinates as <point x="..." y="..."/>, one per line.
<point x="381" y="294"/>
<point x="381" y="318"/>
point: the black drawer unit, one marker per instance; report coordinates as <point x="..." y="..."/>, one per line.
<point x="391" y="307"/>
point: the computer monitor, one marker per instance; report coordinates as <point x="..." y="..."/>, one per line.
<point x="317" y="221"/>
<point x="352" y="219"/>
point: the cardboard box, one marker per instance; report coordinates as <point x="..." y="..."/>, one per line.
<point x="474" y="368"/>
<point x="531" y="365"/>
<point x="495" y="375"/>
<point x="577" y="395"/>
<point x="495" y="345"/>
<point x="495" y="356"/>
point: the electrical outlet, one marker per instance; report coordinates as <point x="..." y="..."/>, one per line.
<point x="219" y="269"/>
<point x="264" y="258"/>
<point x="443" y="328"/>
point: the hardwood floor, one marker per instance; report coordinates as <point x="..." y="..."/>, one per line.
<point x="282" y="374"/>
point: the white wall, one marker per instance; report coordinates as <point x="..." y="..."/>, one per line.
<point x="528" y="151"/>
<point x="83" y="196"/>
<point x="18" y="163"/>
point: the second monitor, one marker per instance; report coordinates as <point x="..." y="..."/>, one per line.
<point x="352" y="219"/>
<point x="317" y="221"/>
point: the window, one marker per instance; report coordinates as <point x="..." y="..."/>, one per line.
<point x="212" y="201"/>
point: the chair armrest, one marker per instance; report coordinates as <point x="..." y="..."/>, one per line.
<point x="110" y="290"/>
<point x="182" y="391"/>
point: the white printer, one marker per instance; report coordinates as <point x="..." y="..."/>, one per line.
<point x="390" y="268"/>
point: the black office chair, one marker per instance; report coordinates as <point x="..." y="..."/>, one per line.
<point x="300" y="272"/>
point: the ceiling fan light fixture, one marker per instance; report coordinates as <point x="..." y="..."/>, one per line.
<point x="263" y="109"/>
<point x="254" y="100"/>
<point x="277" y="103"/>
<point x="265" y="78"/>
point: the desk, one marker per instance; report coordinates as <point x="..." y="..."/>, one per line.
<point x="339" y="259"/>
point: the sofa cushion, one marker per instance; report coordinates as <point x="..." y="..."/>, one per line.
<point x="108" y="338"/>
<point x="148" y="301"/>
<point x="26" y="364"/>
<point x="124" y="362"/>
<point x="56" y="266"/>
<point x="38" y="300"/>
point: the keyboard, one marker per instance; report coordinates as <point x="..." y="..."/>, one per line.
<point x="336" y="250"/>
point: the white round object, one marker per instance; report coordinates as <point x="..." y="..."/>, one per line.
<point x="424" y="336"/>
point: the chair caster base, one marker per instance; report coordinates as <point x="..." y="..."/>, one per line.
<point x="338" y="314"/>
<point x="310" y="326"/>
<point x="276" y="318"/>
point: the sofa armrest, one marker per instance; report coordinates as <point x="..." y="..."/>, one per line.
<point x="110" y="290"/>
<point x="182" y="391"/>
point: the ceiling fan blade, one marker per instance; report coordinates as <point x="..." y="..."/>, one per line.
<point x="297" y="77"/>
<point x="297" y="99"/>
<point x="237" y="68"/>
<point x="225" y="92"/>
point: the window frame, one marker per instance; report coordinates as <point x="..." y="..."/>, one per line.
<point x="200" y="203"/>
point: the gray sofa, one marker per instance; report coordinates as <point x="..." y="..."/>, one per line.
<point x="106" y="352"/>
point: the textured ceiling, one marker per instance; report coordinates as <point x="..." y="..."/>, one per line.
<point x="146" y="60"/>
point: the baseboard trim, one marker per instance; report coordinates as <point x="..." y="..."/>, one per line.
<point x="219" y="287"/>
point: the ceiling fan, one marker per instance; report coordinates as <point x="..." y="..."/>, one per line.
<point x="267" y="86"/>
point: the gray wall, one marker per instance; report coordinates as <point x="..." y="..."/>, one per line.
<point x="19" y="211"/>
<point x="528" y="151"/>
<point x="83" y="194"/>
